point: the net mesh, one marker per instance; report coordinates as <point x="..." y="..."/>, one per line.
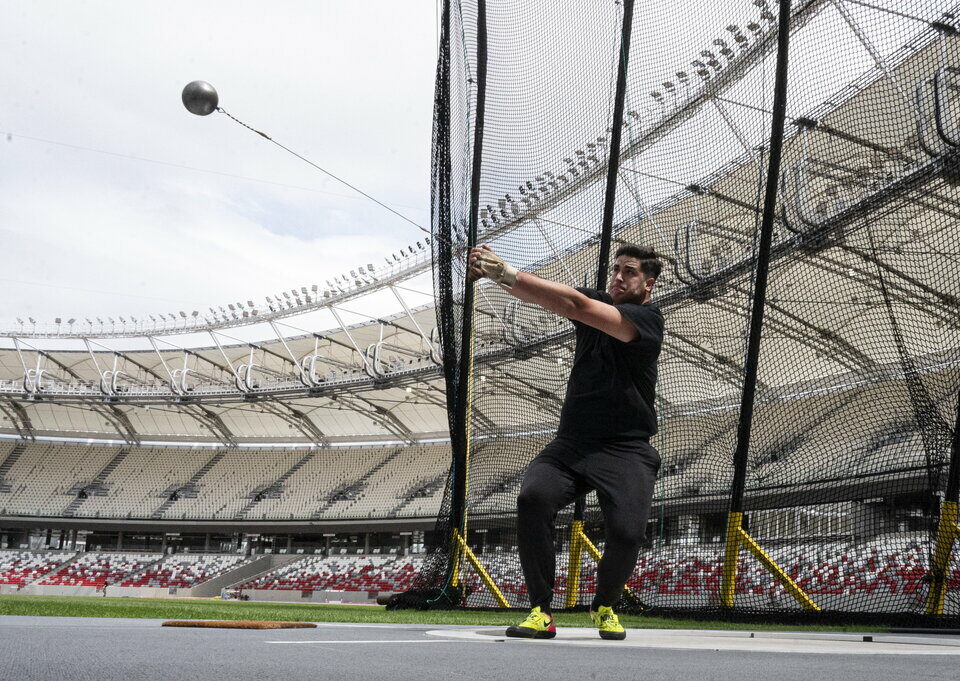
<point x="857" y="380"/>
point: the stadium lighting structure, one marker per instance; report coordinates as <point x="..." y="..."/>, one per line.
<point x="765" y="12"/>
<point x="712" y="60"/>
<point x="738" y="36"/>
<point x="701" y="70"/>
<point x="724" y="49"/>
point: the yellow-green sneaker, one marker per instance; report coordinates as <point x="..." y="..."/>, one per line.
<point x="537" y="625"/>
<point x="606" y="622"/>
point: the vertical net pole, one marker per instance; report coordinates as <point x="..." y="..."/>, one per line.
<point x="948" y="530"/>
<point x="610" y="197"/>
<point x="751" y="365"/>
<point x="606" y="232"/>
<point x="461" y="437"/>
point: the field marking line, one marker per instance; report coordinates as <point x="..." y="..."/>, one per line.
<point x="415" y="640"/>
<point x="666" y="640"/>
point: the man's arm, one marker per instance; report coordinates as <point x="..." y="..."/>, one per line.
<point x="562" y="299"/>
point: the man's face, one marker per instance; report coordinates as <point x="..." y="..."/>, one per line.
<point x="628" y="284"/>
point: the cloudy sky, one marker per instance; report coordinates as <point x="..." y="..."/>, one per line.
<point x="115" y="200"/>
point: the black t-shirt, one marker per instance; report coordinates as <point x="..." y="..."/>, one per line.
<point x="610" y="392"/>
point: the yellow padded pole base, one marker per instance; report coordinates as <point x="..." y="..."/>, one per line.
<point x="948" y="531"/>
<point x="731" y="558"/>
<point x="737" y="537"/>
<point x="484" y="577"/>
<point x="574" y="563"/>
<point x="457" y="551"/>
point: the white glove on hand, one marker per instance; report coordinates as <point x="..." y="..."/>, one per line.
<point x="494" y="268"/>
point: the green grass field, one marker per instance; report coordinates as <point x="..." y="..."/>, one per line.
<point x="158" y="608"/>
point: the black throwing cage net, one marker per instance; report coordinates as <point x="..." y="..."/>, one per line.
<point x="808" y="389"/>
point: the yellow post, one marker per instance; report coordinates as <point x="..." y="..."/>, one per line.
<point x="737" y="537"/>
<point x="457" y="558"/>
<point x="494" y="590"/>
<point x="731" y="557"/>
<point x="574" y="563"/>
<point x="779" y="574"/>
<point x="947" y="532"/>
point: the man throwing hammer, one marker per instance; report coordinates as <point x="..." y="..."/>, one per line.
<point x="603" y="440"/>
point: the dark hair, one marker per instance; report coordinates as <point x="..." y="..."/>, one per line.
<point x="650" y="263"/>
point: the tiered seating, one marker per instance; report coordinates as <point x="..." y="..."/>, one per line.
<point x="225" y="489"/>
<point x="895" y="568"/>
<point x="23" y="567"/>
<point x="385" y="487"/>
<point x="99" y="569"/>
<point x="45" y="472"/>
<point x="184" y="571"/>
<point x="342" y="573"/>
<point x="135" y="488"/>
<point x="845" y="434"/>
<point x="308" y="489"/>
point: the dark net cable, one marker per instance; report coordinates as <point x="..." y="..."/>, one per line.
<point x="850" y="478"/>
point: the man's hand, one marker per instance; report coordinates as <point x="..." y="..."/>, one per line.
<point x="483" y="262"/>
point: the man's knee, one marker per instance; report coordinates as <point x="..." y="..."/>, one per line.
<point x="534" y="500"/>
<point x="625" y="535"/>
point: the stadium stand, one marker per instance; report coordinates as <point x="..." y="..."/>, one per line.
<point x="143" y="481"/>
<point x="44" y="479"/>
<point x="180" y="483"/>
<point x="49" y="479"/>
<point x="341" y="573"/>
<point x="895" y="564"/>
<point x="22" y="567"/>
<point x="224" y="489"/>
<point x="183" y="571"/>
<point x="99" y="569"/>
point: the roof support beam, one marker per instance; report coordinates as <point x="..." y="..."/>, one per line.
<point x="116" y="416"/>
<point x="18" y="417"/>
<point x="297" y="419"/>
<point x="378" y="414"/>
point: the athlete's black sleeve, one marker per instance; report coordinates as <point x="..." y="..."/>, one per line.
<point x="646" y="318"/>
<point x="648" y="321"/>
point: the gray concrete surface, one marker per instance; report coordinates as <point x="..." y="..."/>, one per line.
<point x="86" y="649"/>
